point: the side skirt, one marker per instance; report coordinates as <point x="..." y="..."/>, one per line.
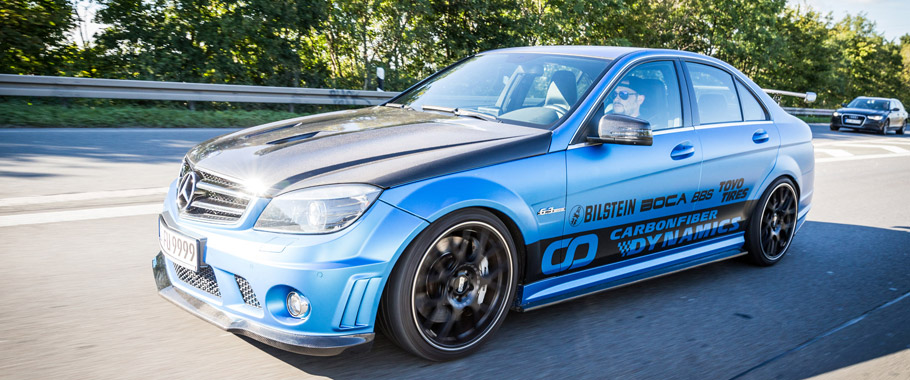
<point x="574" y="285"/>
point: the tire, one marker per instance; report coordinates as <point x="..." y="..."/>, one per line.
<point x="900" y="130"/>
<point x="452" y="287"/>
<point x="833" y="128"/>
<point x="773" y="223"/>
<point x="885" y="127"/>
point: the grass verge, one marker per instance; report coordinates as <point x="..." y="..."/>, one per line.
<point x="16" y="114"/>
<point x="815" y="119"/>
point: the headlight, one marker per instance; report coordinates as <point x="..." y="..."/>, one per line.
<point x="836" y="114"/>
<point x="876" y="117"/>
<point x="317" y="210"/>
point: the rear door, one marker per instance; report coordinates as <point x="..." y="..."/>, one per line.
<point x="739" y="146"/>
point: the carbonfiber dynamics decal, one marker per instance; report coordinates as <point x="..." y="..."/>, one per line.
<point x="626" y="241"/>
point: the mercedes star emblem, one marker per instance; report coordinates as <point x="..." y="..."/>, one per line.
<point x="185" y="190"/>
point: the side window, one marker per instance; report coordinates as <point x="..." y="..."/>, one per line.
<point x="752" y="109"/>
<point x="650" y="92"/>
<point x="715" y="94"/>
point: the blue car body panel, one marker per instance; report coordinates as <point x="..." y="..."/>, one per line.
<point x="586" y="217"/>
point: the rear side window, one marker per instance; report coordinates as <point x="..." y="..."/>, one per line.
<point x="752" y="109"/>
<point x="715" y="94"/>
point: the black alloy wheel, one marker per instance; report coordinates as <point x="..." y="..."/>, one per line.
<point x="452" y="287"/>
<point x="773" y="223"/>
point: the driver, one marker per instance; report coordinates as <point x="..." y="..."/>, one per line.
<point x="626" y="98"/>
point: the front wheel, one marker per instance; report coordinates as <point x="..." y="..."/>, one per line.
<point x="833" y="128"/>
<point x="885" y="126"/>
<point x="452" y="287"/>
<point x="773" y="223"/>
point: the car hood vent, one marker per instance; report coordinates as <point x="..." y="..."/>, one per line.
<point x="294" y="138"/>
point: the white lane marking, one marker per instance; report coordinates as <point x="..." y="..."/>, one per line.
<point x="890" y="148"/>
<point x="75" y="215"/>
<point x="834" y="152"/>
<point x="883" y="140"/>
<point x="863" y="157"/>
<point x="22" y="201"/>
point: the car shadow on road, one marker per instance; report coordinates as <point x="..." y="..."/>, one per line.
<point x="715" y="321"/>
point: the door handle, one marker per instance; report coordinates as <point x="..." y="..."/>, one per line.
<point x="683" y="150"/>
<point x="760" y="136"/>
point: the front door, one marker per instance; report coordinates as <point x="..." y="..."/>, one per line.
<point x="625" y="201"/>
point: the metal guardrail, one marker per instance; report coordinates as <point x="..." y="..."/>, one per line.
<point x="29" y="85"/>
<point x="808" y="111"/>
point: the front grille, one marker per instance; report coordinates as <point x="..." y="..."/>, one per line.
<point x="844" y="118"/>
<point x="203" y="280"/>
<point x="249" y="297"/>
<point x="217" y="199"/>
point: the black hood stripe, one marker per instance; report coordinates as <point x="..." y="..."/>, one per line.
<point x="343" y="165"/>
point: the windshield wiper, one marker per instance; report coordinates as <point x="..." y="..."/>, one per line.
<point x="461" y="112"/>
<point x="397" y="105"/>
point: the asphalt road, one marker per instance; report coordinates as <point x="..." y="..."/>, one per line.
<point x="77" y="299"/>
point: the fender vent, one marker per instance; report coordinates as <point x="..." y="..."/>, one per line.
<point x="359" y="308"/>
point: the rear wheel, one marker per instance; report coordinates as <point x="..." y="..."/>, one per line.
<point x="452" y="287"/>
<point x="900" y="130"/>
<point x="773" y="223"/>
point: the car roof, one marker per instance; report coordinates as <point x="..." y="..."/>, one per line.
<point x="608" y="52"/>
<point x="873" y="98"/>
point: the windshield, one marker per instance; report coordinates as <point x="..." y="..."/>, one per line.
<point x="870" y="104"/>
<point x="519" y="88"/>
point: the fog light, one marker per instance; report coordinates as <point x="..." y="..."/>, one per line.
<point x="298" y="305"/>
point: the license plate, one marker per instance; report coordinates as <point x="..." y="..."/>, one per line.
<point x="852" y="121"/>
<point x="181" y="249"/>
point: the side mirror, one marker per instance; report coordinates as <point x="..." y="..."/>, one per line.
<point x="895" y="109"/>
<point x="843" y="104"/>
<point x="621" y="129"/>
<point x="811" y="96"/>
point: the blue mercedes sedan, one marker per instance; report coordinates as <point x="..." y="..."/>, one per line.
<point x="511" y="180"/>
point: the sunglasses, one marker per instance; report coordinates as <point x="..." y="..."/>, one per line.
<point x="624" y="95"/>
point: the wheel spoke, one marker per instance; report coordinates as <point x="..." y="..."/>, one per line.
<point x="480" y="250"/>
<point x="440" y="314"/>
<point x="453" y="317"/>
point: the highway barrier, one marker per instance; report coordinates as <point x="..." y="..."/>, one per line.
<point x="34" y="85"/>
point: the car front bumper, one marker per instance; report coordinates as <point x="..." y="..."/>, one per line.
<point x="246" y="275"/>
<point x="298" y="343"/>
<point x="867" y="124"/>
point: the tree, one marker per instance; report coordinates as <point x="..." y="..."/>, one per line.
<point x="33" y="35"/>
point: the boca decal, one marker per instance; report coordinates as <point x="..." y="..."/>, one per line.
<point x="622" y="242"/>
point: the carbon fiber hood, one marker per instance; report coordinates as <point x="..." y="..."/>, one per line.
<point x="382" y="146"/>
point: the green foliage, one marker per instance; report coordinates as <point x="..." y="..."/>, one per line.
<point x="32" y="35"/>
<point x="340" y="43"/>
<point x="25" y="114"/>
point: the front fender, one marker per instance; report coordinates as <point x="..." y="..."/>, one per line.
<point x="516" y="189"/>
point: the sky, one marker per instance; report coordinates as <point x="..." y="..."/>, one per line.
<point x="892" y="17"/>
